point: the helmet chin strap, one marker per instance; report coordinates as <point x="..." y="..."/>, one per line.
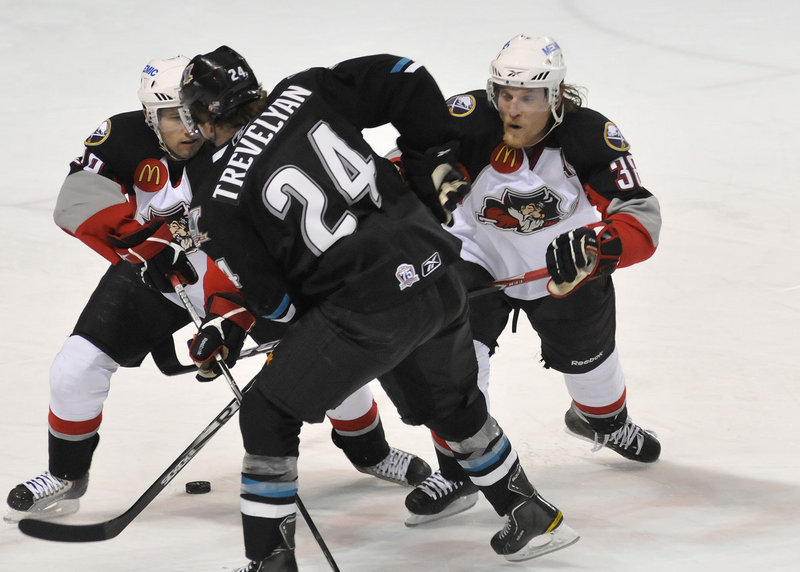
<point x="557" y="119"/>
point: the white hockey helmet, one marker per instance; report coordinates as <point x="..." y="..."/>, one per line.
<point x="529" y="63"/>
<point x="160" y="83"/>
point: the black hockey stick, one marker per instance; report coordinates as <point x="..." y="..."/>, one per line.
<point x="169" y="364"/>
<point x="499" y="285"/>
<point x="179" y="290"/>
<point x="48" y="530"/>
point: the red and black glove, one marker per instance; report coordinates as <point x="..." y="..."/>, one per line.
<point x="437" y="179"/>
<point x="580" y="255"/>
<point x="223" y="331"/>
<point x="153" y="248"/>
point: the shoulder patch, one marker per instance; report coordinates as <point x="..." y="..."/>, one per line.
<point x="151" y="175"/>
<point x="461" y="105"/>
<point x="614" y="138"/>
<point x="506" y="159"/>
<point x="100" y="134"/>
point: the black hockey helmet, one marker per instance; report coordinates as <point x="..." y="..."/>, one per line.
<point x="219" y="80"/>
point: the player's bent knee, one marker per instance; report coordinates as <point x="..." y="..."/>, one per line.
<point x="80" y="377"/>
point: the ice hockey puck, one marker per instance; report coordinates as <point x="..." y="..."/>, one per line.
<point x="198" y="487"/>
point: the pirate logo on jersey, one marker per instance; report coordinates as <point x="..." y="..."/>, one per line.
<point x="461" y="105"/>
<point x="522" y="213"/>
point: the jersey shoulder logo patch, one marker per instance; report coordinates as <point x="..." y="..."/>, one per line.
<point x="461" y="105"/>
<point x="100" y="134"/>
<point x="151" y="175"/>
<point x="506" y="159"/>
<point x="614" y="138"/>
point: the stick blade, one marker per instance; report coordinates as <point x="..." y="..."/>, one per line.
<point x="61" y="532"/>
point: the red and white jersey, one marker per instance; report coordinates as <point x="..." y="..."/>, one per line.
<point x="124" y="180"/>
<point x="521" y="200"/>
<point x="515" y="210"/>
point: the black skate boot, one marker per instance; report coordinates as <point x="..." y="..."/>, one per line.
<point x="438" y="497"/>
<point x="630" y="440"/>
<point x="44" y="497"/>
<point x="281" y="559"/>
<point x="400" y="468"/>
<point x="396" y="466"/>
<point x="533" y="528"/>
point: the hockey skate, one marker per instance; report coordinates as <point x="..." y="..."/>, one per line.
<point x="437" y="497"/>
<point x="400" y="468"/>
<point x="281" y="560"/>
<point x="45" y="497"/>
<point x="533" y="528"/>
<point x="630" y="441"/>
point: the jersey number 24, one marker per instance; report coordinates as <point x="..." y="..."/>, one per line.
<point x="352" y="174"/>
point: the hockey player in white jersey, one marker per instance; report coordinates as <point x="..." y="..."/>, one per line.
<point x="553" y="184"/>
<point x="124" y="197"/>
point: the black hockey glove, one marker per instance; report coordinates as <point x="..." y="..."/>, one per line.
<point x="580" y="255"/>
<point x="437" y="179"/>
<point x="223" y="331"/>
<point x="159" y="256"/>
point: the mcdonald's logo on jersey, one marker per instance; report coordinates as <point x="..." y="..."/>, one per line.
<point x="151" y="175"/>
<point x="506" y="159"/>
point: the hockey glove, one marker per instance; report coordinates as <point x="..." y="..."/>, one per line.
<point x="153" y="248"/>
<point x="223" y="331"/>
<point x="580" y="255"/>
<point x="437" y="179"/>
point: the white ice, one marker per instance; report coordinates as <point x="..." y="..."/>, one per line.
<point x="705" y="91"/>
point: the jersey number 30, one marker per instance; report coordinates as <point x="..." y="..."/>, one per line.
<point x="352" y="174"/>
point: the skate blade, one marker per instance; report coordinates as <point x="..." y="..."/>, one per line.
<point x="561" y="537"/>
<point x="61" y="508"/>
<point x="459" y="505"/>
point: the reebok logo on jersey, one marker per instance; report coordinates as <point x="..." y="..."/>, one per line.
<point x="406" y="275"/>
<point x="433" y="262"/>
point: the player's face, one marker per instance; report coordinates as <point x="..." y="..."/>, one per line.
<point x="525" y="113"/>
<point x="175" y="136"/>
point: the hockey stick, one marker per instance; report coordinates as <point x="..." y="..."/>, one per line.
<point x="179" y="290"/>
<point x="48" y="530"/>
<point x="499" y="285"/>
<point x="169" y="364"/>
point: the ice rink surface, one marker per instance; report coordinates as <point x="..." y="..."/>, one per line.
<point x="708" y="328"/>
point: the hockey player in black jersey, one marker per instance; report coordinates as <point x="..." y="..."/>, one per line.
<point x="128" y="186"/>
<point x="296" y="201"/>
<point x="553" y="184"/>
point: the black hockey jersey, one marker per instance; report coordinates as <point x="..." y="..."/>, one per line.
<point x="299" y="203"/>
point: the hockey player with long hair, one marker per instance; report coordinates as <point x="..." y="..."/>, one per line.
<point x="127" y="198"/>
<point x="553" y="184"/>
